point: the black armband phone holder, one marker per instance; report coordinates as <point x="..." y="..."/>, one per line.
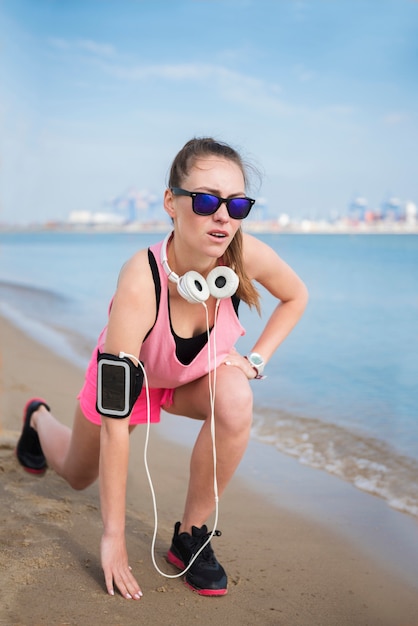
<point x="119" y="383"/>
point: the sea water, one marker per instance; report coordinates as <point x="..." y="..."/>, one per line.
<point x="341" y="392"/>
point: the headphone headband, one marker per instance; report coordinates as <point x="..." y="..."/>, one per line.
<point x="164" y="260"/>
<point x="222" y="282"/>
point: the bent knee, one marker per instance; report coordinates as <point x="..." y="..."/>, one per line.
<point x="235" y="386"/>
<point x="241" y="401"/>
<point x="234" y="404"/>
<point x="78" y="483"/>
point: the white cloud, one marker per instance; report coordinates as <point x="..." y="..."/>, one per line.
<point x="99" y="49"/>
<point x="230" y="85"/>
<point x="300" y="10"/>
<point x="96" y="49"/>
<point x="394" y="119"/>
<point x="60" y="44"/>
<point x="304" y="74"/>
<point x="237" y="88"/>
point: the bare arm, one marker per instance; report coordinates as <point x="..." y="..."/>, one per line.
<point x="114" y="456"/>
<point x="132" y="315"/>
<point x="267" y="268"/>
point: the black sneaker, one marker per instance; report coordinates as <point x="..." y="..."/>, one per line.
<point x="28" y="449"/>
<point x="206" y="576"/>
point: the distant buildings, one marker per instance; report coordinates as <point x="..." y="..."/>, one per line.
<point x="130" y="207"/>
<point x="143" y="210"/>
<point x="392" y="209"/>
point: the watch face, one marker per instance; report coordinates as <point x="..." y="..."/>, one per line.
<point x="257" y="362"/>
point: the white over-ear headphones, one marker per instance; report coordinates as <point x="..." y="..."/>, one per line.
<point x="221" y="282"/>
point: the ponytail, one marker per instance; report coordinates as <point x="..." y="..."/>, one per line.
<point x="233" y="258"/>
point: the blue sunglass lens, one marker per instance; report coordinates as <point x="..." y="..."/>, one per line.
<point x="239" y="208"/>
<point x="205" y="203"/>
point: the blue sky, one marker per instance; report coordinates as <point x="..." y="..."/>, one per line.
<point x="99" y="95"/>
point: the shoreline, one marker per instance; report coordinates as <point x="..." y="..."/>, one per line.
<point x="291" y="535"/>
<point x="260" y="228"/>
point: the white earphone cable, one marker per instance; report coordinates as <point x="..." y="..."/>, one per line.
<point x="212" y="395"/>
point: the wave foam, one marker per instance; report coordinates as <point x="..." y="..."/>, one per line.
<point x="369" y="464"/>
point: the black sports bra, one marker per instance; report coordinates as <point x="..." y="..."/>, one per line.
<point x="187" y="348"/>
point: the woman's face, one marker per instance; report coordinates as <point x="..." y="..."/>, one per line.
<point x="211" y="233"/>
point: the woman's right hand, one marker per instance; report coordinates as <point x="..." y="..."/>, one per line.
<point x="116" y="568"/>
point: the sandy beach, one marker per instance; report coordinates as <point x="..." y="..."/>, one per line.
<point x="286" y="565"/>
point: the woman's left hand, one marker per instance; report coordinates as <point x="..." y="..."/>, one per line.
<point x="237" y="360"/>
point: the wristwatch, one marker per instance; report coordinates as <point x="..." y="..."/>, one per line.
<point x="257" y="362"/>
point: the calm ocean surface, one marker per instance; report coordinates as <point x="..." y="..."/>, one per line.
<point x="342" y="391"/>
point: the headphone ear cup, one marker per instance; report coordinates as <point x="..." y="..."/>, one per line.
<point x="193" y="287"/>
<point x="222" y="282"/>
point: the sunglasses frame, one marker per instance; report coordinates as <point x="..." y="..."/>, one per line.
<point x="178" y="191"/>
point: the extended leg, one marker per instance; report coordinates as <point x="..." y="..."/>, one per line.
<point x="73" y="454"/>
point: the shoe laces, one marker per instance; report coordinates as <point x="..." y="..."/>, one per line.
<point x="207" y="553"/>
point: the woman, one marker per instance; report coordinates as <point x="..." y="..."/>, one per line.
<point x="152" y="318"/>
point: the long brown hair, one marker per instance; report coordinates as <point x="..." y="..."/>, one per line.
<point x="183" y="162"/>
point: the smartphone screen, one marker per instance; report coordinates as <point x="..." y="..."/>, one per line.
<point x="113" y="388"/>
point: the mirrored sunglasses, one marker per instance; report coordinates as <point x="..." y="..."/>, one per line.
<point x="207" y="203"/>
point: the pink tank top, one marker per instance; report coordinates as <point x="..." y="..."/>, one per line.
<point x="158" y="351"/>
